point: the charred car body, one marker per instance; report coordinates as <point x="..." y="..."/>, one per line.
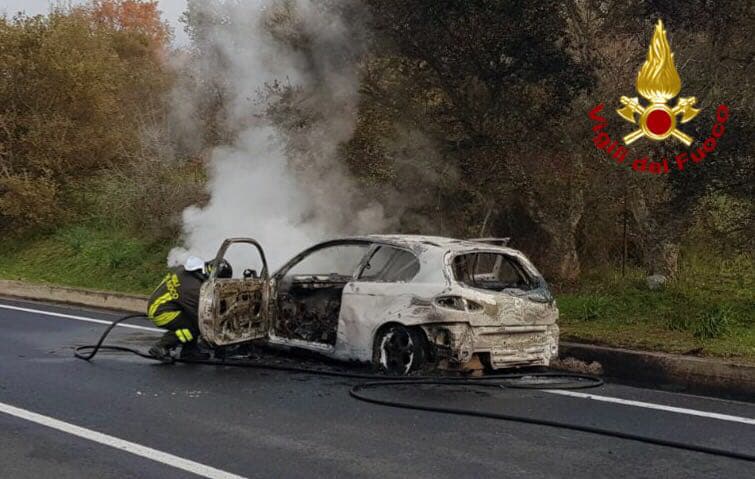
<point x="402" y="302"/>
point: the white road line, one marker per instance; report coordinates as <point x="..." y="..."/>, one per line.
<point x="114" y="442"/>
<point x="649" y="405"/>
<point x="78" y="318"/>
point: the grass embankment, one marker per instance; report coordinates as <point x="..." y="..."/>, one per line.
<point x="709" y="310"/>
<point x="85" y="257"/>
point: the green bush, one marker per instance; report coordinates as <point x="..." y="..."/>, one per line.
<point x="713" y="323"/>
<point x="594" y="307"/>
<point x="678" y="322"/>
<point x="124" y="254"/>
<point x="75" y="238"/>
<point x="155" y="184"/>
<point x="28" y="202"/>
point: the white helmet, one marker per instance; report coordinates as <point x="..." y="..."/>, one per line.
<point x="194" y="263"/>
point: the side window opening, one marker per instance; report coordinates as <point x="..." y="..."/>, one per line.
<point x="308" y="301"/>
<point x="492" y="271"/>
<point x="243" y="257"/>
<point x="390" y="265"/>
<point x="337" y="261"/>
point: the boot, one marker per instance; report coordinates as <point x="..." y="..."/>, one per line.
<point x="161" y="353"/>
<point x="161" y="350"/>
<point x="192" y="352"/>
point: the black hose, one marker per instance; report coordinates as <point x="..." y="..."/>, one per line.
<point x="355" y="392"/>
<point x="96" y="347"/>
<point x="577" y="381"/>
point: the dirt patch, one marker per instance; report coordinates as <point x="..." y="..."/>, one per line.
<point x="576" y="366"/>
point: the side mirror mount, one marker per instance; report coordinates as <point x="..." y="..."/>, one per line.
<point x="250" y="274"/>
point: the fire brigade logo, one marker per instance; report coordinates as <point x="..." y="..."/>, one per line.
<point x="658" y="82"/>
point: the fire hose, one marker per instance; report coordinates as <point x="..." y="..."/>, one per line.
<point x="543" y="380"/>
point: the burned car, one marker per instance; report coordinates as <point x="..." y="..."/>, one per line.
<point x="401" y="302"/>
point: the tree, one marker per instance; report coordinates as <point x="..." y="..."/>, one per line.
<point x="492" y="83"/>
<point x="134" y="16"/>
<point x="715" y="64"/>
<point x="73" y="102"/>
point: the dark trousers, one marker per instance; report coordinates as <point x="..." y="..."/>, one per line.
<point x="182" y="330"/>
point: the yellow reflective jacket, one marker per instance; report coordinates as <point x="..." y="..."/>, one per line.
<point x="177" y="293"/>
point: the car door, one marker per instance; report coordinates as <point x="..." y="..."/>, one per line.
<point x="380" y="293"/>
<point x="234" y="310"/>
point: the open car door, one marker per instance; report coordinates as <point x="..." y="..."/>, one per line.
<point x="234" y="310"/>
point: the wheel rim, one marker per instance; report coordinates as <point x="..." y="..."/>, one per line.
<point x="397" y="352"/>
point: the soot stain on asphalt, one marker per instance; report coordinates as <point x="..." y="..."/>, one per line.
<point x="138" y="338"/>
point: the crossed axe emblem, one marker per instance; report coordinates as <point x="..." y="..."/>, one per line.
<point x="658" y="121"/>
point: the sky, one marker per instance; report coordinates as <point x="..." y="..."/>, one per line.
<point x="171" y="9"/>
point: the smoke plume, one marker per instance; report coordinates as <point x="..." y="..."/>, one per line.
<point x="286" y="76"/>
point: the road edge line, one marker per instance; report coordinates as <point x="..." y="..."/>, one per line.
<point x="78" y="318"/>
<point x="155" y="455"/>
<point x="656" y="406"/>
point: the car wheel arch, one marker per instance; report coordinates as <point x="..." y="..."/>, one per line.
<point x="382" y="327"/>
<point x="415" y="332"/>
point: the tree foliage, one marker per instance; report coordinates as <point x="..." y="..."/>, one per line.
<point x="75" y="94"/>
<point x="501" y="89"/>
<point x="471" y="119"/>
<point x="131" y="16"/>
<point x="495" y="101"/>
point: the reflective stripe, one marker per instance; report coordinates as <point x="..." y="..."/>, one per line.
<point x="184" y="335"/>
<point x="158" y="302"/>
<point x="171" y="284"/>
<point x="154" y="305"/>
<point x="165" y="279"/>
<point x="165" y="318"/>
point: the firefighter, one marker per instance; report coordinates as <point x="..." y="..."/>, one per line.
<point x="174" y="305"/>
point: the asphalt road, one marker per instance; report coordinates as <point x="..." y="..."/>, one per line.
<point x="122" y="416"/>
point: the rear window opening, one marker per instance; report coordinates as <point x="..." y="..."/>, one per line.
<point x="491" y="271"/>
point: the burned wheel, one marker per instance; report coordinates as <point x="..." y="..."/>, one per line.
<point x="398" y="350"/>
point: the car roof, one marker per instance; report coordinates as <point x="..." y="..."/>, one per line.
<point x="430" y="242"/>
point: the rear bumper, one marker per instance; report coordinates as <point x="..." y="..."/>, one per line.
<point x="502" y="346"/>
<point x="518" y="345"/>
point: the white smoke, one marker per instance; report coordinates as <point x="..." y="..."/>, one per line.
<point x="284" y="187"/>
